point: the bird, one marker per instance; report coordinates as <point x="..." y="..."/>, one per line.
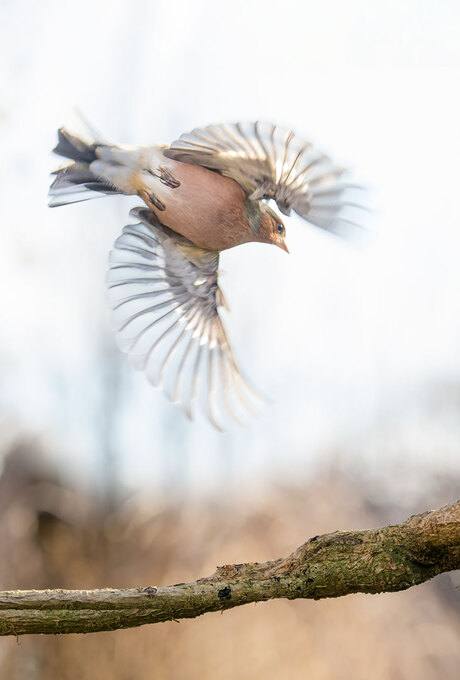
<point x="206" y="192"/>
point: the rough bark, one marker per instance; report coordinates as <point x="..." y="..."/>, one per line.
<point x="388" y="559"/>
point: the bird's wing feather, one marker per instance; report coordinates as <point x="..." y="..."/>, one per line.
<point x="272" y="162"/>
<point x="164" y="295"/>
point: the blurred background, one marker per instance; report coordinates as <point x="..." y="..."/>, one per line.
<point x="104" y="482"/>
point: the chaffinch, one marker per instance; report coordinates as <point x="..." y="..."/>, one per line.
<point x="206" y="192"/>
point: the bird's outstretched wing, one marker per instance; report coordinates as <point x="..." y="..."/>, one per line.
<point x="164" y="294"/>
<point x="272" y="162"/>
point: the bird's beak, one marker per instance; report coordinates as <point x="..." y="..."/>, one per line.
<point x="282" y="245"/>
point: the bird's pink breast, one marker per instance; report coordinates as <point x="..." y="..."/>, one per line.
<point x="206" y="208"/>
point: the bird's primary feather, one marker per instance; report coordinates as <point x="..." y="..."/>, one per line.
<point x="164" y="294"/>
<point x="272" y="162"/>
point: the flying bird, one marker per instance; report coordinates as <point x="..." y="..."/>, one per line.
<point x="206" y="192"/>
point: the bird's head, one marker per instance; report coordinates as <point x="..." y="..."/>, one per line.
<point x="271" y="228"/>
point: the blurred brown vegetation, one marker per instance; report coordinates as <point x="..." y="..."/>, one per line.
<point x="52" y="536"/>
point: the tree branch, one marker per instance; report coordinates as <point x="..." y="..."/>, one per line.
<point x="392" y="558"/>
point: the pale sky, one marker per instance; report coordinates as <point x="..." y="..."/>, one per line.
<point x="366" y="338"/>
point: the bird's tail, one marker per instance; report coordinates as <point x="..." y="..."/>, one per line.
<point x="74" y="181"/>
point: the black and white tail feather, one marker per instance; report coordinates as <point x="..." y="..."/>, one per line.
<point x="75" y="182"/>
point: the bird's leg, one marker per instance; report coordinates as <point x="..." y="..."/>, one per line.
<point x="168" y="178"/>
<point x="152" y="200"/>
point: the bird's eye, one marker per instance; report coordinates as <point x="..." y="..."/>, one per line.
<point x="280" y="228"/>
